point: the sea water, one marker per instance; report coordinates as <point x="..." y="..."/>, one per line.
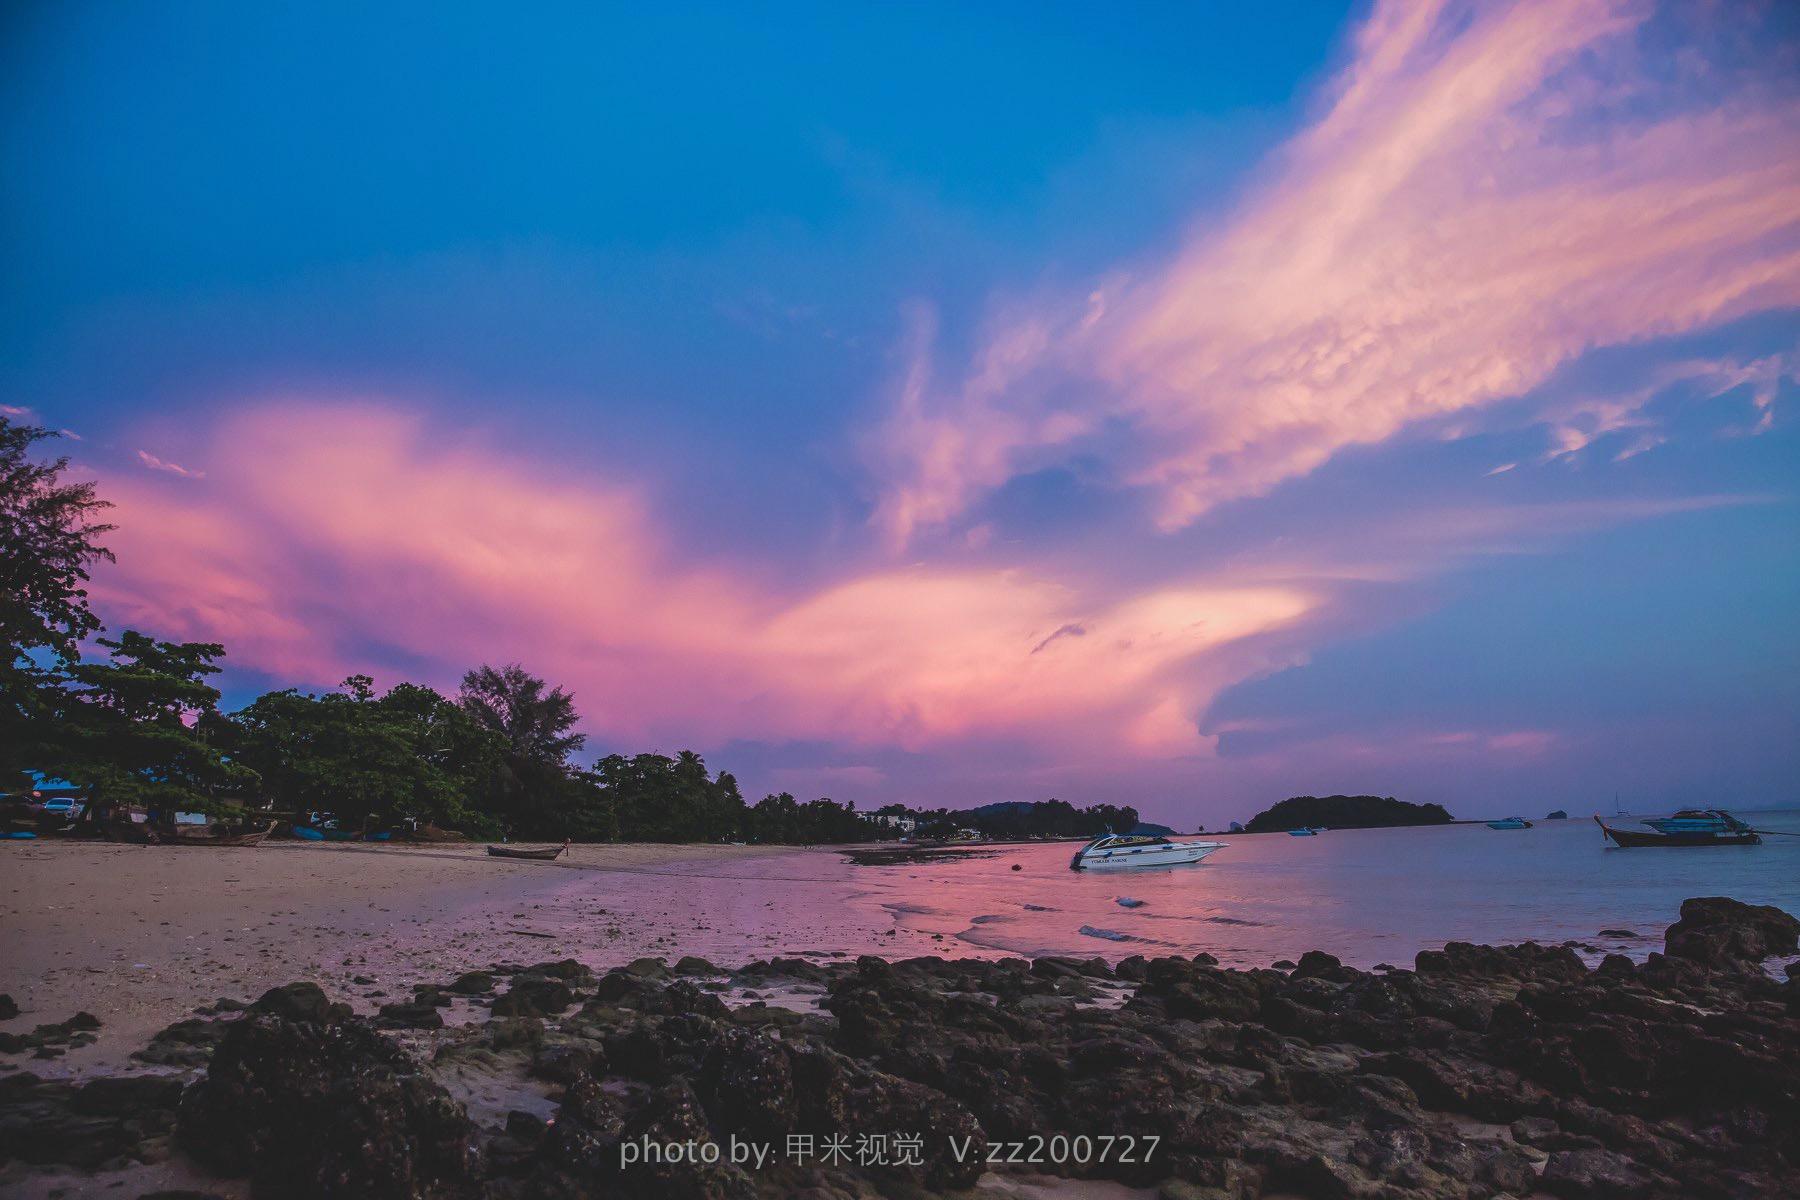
<point x="1368" y="896"/>
<point x="1365" y="895"/>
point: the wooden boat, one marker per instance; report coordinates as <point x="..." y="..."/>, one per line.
<point x="1734" y="833"/>
<point x="219" y="835"/>
<point x="545" y="855"/>
<point x="1510" y="823"/>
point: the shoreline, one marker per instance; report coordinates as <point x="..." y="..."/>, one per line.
<point x="1478" y="1071"/>
<point x="139" y="936"/>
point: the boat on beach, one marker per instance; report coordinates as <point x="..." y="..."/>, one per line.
<point x="1118" y="851"/>
<point x="1689" y="827"/>
<point x="544" y="855"/>
<point x="218" y="835"/>
<point x="1510" y="823"/>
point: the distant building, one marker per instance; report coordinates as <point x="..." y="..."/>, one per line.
<point x="901" y="821"/>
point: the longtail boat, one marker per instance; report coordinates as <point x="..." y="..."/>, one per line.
<point x="1690" y="827"/>
<point x="545" y="855"/>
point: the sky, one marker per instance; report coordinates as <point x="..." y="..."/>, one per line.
<point x="1180" y="405"/>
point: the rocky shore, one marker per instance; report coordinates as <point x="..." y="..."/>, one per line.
<point x="1483" y="1071"/>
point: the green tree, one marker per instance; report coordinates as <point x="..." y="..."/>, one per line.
<point x="135" y="729"/>
<point x="49" y="537"/>
<point x="536" y="792"/>
<point x="367" y="759"/>
<point x="655" y="798"/>
<point x="534" y="718"/>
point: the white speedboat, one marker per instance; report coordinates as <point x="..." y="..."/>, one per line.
<point x="1117" y="851"/>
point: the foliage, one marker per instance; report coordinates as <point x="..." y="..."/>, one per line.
<point x="1345" y="812"/>
<point x="654" y="798"/>
<point x="1014" y="820"/>
<point x="534" y="718"/>
<point x="782" y="819"/>
<point x="134" y="729"/>
<point x="48" y="539"/>
<point x="408" y="754"/>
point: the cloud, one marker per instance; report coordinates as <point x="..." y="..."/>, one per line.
<point x="1488" y="192"/>
<point x="156" y="464"/>
<point x="328" y="536"/>
<point x="16" y="412"/>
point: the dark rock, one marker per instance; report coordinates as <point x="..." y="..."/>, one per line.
<point x="8" y="1009"/>
<point x="473" y="983"/>
<point x="186" y="1043"/>
<point x="565" y="1063"/>
<point x="299" y="1002"/>
<point x="1526" y="961"/>
<point x="410" y="1015"/>
<point x="326" y="1108"/>
<point x="1600" y="1175"/>
<point x="534" y="996"/>
<point x="690" y="964"/>
<point x="127" y="1095"/>
<point x="568" y="970"/>
<point x="1615" y="933"/>
<point x="1717" y="931"/>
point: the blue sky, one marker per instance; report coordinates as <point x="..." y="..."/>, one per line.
<point x="1390" y="398"/>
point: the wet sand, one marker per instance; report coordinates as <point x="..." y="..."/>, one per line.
<point x="140" y="936"/>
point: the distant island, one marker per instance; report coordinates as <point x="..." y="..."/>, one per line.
<point x="1345" y="812"/>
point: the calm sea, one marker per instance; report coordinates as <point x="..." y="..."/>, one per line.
<point x="1368" y="896"/>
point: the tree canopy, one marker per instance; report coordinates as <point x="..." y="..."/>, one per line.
<point x="50" y="535"/>
<point x="135" y="728"/>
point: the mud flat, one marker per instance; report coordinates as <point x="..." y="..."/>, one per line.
<point x="1478" y="1072"/>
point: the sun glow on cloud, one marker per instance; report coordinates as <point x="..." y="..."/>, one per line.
<point x="323" y="525"/>
<point x="1490" y="191"/>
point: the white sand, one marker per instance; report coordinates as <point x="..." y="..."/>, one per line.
<point x="142" y="935"/>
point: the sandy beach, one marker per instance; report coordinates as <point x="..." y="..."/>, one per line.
<point x="141" y="936"/>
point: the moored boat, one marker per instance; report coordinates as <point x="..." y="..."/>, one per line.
<point x="544" y="855"/>
<point x="1305" y="832"/>
<point x="219" y="835"/>
<point x="1117" y="851"/>
<point x="1510" y="823"/>
<point x="1690" y="827"/>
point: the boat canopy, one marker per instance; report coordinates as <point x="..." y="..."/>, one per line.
<point x="1144" y="829"/>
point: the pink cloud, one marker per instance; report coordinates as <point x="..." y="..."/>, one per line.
<point x="1488" y="192"/>
<point x="157" y="464"/>
<point x="325" y="528"/>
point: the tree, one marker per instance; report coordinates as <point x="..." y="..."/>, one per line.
<point x="135" y="729"/>
<point x="49" y="537"/>
<point x="534" y="718"/>
<point x="655" y="798"/>
<point x="363" y="759"/>
<point x="535" y="783"/>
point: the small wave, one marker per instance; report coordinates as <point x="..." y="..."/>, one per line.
<point x="900" y="907"/>
<point x="983" y="920"/>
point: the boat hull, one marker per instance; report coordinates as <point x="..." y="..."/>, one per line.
<point x="546" y="855"/>
<point x="1176" y="854"/>
<point x="1629" y="838"/>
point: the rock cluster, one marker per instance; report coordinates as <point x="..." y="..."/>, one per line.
<point x="1483" y="1072"/>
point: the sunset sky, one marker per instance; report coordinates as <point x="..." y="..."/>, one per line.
<point x="1179" y="405"/>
